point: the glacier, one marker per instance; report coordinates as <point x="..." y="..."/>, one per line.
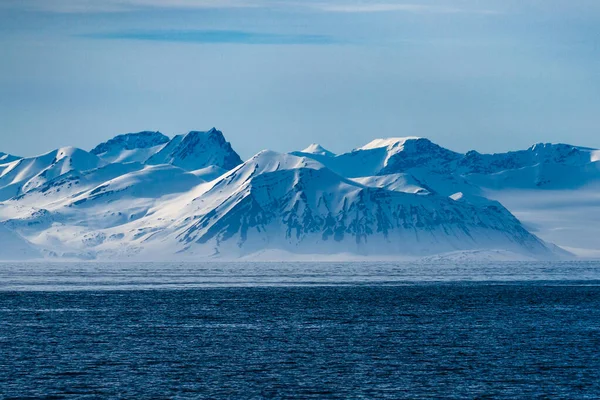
<point x="145" y="196"/>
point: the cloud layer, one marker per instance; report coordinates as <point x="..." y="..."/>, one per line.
<point x="214" y="36"/>
<point x="332" y="6"/>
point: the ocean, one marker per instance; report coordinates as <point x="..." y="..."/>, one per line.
<point x="300" y="330"/>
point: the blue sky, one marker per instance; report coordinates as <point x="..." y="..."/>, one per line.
<point x="486" y="75"/>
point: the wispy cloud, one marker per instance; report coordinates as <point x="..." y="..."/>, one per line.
<point x="394" y="7"/>
<point x="109" y="6"/>
<point x="215" y="36"/>
<point x="332" y="6"/>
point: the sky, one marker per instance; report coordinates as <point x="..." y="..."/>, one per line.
<point x="491" y="75"/>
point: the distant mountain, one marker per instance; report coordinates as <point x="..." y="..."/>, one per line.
<point x="131" y="147"/>
<point x="198" y="150"/>
<point x="545" y="166"/>
<point x="418" y="160"/>
<point x="26" y="174"/>
<point x="317" y="149"/>
<point x="6" y="158"/>
<point x="552" y="188"/>
<point x="541" y="153"/>
<point x="193" y="151"/>
<point x="145" y="196"/>
<point x="387" y="156"/>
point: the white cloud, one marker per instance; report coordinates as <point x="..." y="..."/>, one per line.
<point x="92" y="6"/>
<point x="390" y="7"/>
<point x="372" y="7"/>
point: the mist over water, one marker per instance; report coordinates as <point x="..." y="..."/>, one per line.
<point x="128" y="276"/>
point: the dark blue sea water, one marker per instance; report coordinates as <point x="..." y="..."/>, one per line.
<point x="444" y="339"/>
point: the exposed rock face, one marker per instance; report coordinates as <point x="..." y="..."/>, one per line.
<point x="198" y="150"/>
<point x="131" y="141"/>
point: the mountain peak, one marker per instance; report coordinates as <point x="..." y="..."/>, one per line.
<point x="7" y="158"/>
<point x="196" y="150"/>
<point x="211" y="134"/>
<point x="388" y="142"/>
<point x="131" y="147"/>
<point x="131" y="141"/>
<point x="316" y="148"/>
<point x="70" y="151"/>
<point x="389" y="156"/>
<point x="26" y="174"/>
<point x="282" y="160"/>
<point x="558" y="147"/>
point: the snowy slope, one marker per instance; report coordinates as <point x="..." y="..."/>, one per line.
<point x="131" y="147"/>
<point x="210" y="173"/>
<point x="545" y="166"/>
<point x="542" y="166"/>
<point x="424" y="163"/>
<point x="394" y="155"/>
<point x="26" y="174"/>
<point x="198" y="150"/>
<point x="541" y="153"/>
<point x="316" y="148"/>
<point x="78" y="223"/>
<point x="61" y="188"/>
<point x="401" y="182"/>
<point x="6" y="158"/>
<point x="149" y="182"/>
<point x="14" y="247"/>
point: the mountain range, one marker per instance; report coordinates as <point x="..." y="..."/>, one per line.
<point x="145" y="196"/>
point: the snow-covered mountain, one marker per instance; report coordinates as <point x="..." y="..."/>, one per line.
<point x="549" y="166"/>
<point x="552" y="188"/>
<point x="143" y="195"/>
<point x="131" y="147"/>
<point x="317" y="149"/>
<point x="277" y="201"/>
<point x="20" y="176"/>
<point x="544" y="166"/>
<point x="388" y="156"/>
<point x="418" y="160"/>
<point x="197" y="150"/>
<point x="6" y="158"/>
